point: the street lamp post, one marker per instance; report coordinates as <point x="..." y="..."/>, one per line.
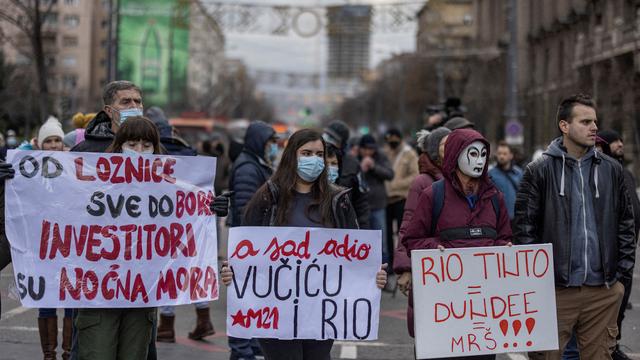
<point x="513" y="127"/>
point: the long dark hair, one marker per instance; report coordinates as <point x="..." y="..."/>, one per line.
<point x="285" y="179"/>
<point x="136" y="128"/>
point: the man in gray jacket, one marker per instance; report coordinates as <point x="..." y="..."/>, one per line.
<point x="576" y="199"/>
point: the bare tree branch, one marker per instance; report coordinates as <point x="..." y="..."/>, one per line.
<point x="26" y="10"/>
<point x="15" y="22"/>
<point x="14" y="44"/>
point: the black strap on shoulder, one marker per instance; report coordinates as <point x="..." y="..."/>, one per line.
<point x="438" y="204"/>
<point x="496" y="207"/>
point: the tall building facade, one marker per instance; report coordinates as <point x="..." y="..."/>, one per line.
<point x="349" y="32"/>
<point x="75" y="46"/>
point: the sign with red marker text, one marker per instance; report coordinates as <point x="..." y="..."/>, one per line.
<point x="110" y="230"/>
<point x="486" y="300"/>
<point x="303" y="283"/>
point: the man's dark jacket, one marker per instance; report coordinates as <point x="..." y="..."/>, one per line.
<point x="543" y="216"/>
<point x="98" y="135"/>
<point x="351" y="178"/>
<point x="250" y="170"/>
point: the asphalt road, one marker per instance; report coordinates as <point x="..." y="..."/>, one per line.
<point x="19" y="333"/>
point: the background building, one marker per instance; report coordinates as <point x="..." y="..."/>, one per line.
<point x="349" y="31"/>
<point x="75" y="48"/>
<point x="566" y="46"/>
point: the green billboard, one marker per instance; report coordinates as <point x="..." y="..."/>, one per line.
<point x="153" y="48"/>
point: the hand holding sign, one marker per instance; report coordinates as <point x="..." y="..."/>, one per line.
<point x="226" y="275"/>
<point x="220" y="204"/>
<point x="381" y="276"/>
<point x="6" y="171"/>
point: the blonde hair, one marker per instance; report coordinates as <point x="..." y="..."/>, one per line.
<point x="80" y="120"/>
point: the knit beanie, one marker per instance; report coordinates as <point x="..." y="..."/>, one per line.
<point x="421" y="140"/>
<point x="368" y="142"/>
<point x="458" y="122"/>
<point x="51" y="127"/>
<point x="610" y="136"/>
<point x="337" y="134"/>
<point x="433" y="142"/>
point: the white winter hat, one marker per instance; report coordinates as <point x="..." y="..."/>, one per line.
<point x="51" y="127"/>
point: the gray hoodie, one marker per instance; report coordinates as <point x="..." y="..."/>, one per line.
<point x="575" y="185"/>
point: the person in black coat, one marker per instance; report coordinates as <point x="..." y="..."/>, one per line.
<point x="252" y="168"/>
<point x="336" y="134"/>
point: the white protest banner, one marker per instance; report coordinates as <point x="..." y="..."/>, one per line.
<point x="303" y="283"/>
<point x="110" y="230"/>
<point x="487" y="300"/>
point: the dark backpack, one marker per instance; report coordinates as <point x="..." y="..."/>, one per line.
<point x="438" y="204"/>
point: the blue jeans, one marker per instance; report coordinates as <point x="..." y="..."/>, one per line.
<point x="244" y="349"/>
<point x="171" y="311"/>
<point x="571" y="350"/>
<point x="378" y="221"/>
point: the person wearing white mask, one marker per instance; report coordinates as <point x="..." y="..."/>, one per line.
<point x="122" y="100"/>
<point x="464" y="209"/>
<point x="299" y="194"/>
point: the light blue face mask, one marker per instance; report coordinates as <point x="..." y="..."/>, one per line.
<point x="127" y="113"/>
<point x="131" y="152"/>
<point x="333" y="173"/>
<point x="310" y="167"/>
<point x="273" y="152"/>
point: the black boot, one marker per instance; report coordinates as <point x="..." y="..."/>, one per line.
<point x="619" y="355"/>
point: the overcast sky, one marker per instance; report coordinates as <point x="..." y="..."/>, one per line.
<point x="308" y="55"/>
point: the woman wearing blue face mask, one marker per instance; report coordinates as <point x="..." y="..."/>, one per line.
<point x="333" y="164"/>
<point x="123" y="333"/>
<point x="138" y="135"/>
<point x="300" y="194"/>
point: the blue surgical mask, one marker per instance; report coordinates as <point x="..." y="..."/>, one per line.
<point x="310" y="167"/>
<point x="130" y="152"/>
<point x="273" y="151"/>
<point x="127" y="113"/>
<point x="333" y="173"/>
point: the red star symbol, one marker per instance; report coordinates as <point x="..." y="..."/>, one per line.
<point x="238" y="318"/>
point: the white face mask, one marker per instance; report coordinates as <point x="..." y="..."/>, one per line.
<point x="473" y="159"/>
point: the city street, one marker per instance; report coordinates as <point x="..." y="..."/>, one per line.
<point x="19" y="333"/>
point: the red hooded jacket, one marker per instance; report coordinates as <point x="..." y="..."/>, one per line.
<point x="429" y="173"/>
<point x="456" y="211"/>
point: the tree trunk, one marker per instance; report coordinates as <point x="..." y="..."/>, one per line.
<point x="41" y="70"/>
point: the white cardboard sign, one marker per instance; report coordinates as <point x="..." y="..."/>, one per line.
<point x="108" y="230"/>
<point x="475" y="301"/>
<point x="303" y="283"/>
